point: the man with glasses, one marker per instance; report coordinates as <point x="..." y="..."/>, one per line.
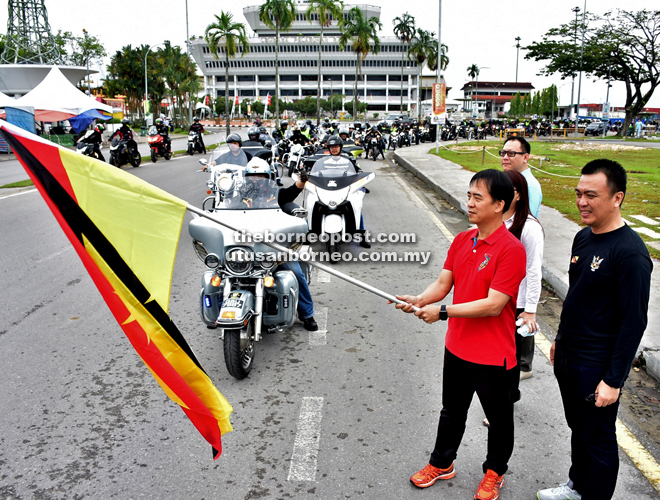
<point x="514" y="156"/>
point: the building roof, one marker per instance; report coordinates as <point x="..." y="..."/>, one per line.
<point x="503" y="85"/>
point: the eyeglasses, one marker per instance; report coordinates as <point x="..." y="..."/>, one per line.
<point x="510" y="154"/>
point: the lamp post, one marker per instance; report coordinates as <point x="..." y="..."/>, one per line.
<point x="146" y="87"/>
<point x="576" y="10"/>
<point x="517" y="54"/>
<point x="494" y="87"/>
<point x="577" y="108"/>
<point x="188" y="52"/>
<point x="89" y="88"/>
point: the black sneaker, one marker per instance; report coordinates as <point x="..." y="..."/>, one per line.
<point x="365" y="244"/>
<point x="310" y="324"/>
<point x="280" y="183"/>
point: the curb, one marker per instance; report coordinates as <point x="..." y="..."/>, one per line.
<point x="556" y="278"/>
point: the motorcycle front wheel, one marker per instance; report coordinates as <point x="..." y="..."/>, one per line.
<point x="190" y="149"/>
<point x="153" y="156"/>
<point x="239" y="356"/>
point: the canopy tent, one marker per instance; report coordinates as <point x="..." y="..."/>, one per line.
<point x="56" y="99"/>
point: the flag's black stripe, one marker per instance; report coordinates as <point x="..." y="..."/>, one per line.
<point x="81" y="224"/>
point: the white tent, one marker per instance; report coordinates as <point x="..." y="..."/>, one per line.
<point x="56" y="99"/>
<point x="5" y="100"/>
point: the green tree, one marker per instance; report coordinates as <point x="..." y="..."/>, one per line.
<point x="220" y="105"/>
<point x="325" y="11"/>
<point x="424" y="49"/>
<point x="179" y="73"/>
<point x="279" y="16"/>
<point x="473" y="72"/>
<point x="625" y="44"/>
<point x="362" y="35"/>
<point x="514" y="110"/>
<point x="229" y="37"/>
<point x="404" y="30"/>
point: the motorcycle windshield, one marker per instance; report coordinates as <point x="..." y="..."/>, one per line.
<point x="225" y="156"/>
<point x="250" y="193"/>
<point x="333" y="166"/>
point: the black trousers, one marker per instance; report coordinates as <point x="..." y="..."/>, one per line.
<point x="524" y="349"/>
<point x="594" y="450"/>
<point x="496" y="388"/>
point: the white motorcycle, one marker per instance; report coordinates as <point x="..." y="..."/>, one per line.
<point x="333" y="199"/>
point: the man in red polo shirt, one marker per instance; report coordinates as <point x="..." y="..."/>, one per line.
<point x="484" y="266"/>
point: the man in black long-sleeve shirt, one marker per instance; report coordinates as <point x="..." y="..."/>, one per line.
<point x="602" y="323"/>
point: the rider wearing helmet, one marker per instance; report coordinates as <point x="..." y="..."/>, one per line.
<point x="257" y="176"/>
<point x="334" y="146"/>
<point x="298" y="137"/>
<point x="253" y="137"/>
<point x="235" y="155"/>
<point x="94" y="137"/>
<point x="164" y="130"/>
<point x="311" y="127"/>
<point x="334" y="127"/>
<point x="199" y="129"/>
<point x="125" y="133"/>
<point x="279" y="133"/>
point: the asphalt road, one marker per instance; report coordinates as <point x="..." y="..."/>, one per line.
<point x="354" y="417"/>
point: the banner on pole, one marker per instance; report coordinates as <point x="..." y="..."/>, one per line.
<point x="439" y="93"/>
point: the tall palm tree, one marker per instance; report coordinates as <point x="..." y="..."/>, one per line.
<point x="326" y="10"/>
<point x="404" y="29"/>
<point x="360" y="33"/>
<point x="230" y="35"/>
<point x="279" y="16"/>
<point x="424" y="49"/>
<point x="473" y="72"/>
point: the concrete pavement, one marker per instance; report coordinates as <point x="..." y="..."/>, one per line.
<point x="451" y="181"/>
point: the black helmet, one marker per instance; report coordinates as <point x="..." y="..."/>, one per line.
<point x="126" y="121"/>
<point x="309" y="122"/>
<point x="326" y="120"/>
<point x="235" y="138"/>
<point x="335" y="140"/>
<point x="196" y="119"/>
<point x="284" y="123"/>
<point x="335" y="123"/>
<point x="262" y="130"/>
<point x="253" y="134"/>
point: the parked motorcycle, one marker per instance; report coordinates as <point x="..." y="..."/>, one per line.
<point x="333" y="198"/>
<point x="123" y="152"/>
<point x="243" y="292"/>
<point x="157" y="145"/>
<point x="195" y="143"/>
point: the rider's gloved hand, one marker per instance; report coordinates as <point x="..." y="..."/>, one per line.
<point x="304" y="176"/>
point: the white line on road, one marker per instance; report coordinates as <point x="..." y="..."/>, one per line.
<point x="318" y="338"/>
<point x="443" y="229"/>
<point x="306" y="444"/>
<point x="322" y="277"/>
<point x="18" y="194"/>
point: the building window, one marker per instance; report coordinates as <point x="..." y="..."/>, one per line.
<point x="247" y="93"/>
<point x="246" y="78"/>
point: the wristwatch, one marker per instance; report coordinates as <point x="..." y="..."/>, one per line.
<point x="443" y="313"/>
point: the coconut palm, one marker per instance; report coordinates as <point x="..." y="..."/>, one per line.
<point x="424" y="49"/>
<point x="326" y="11"/>
<point x="225" y="33"/>
<point x="404" y="29"/>
<point x="473" y="72"/>
<point x="279" y="16"/>
<point x="360" y="33"/>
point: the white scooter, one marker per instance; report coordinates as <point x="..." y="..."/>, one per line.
<point x="333" y="199"/>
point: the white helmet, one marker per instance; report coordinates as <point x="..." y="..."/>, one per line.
<point x="257" y="166"/>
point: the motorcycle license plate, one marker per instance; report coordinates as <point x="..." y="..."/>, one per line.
<point x="232" y="303"/>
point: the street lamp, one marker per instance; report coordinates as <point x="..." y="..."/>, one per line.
<point x="517" y="54"/>
<point x="146" y="88"/>
<point x="89" y="88"/>
<point x="576" y="10"/>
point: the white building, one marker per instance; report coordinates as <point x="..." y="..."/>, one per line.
<point x="254" y="74"/>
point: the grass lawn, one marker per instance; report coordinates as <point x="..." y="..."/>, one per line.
<point x="18" y="184"/>
<point x="567" y="159"/>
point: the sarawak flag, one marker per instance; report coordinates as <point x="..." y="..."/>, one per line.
<point x="126" y="232"/>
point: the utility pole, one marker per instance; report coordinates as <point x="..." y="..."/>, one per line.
<point x="584" y="26"/>
<point x="437" y="125"/>
<point x="576" y="10"/>
<point x="89" y="88"/>
<point x="190" y="97"/>
<point x="517" y="54"/>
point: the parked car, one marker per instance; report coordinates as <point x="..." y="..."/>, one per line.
<point x="389" y="119"/>
<point x="595" y="128"/>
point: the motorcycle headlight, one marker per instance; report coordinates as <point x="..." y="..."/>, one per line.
<point x="225" y="182"/>
<point x="200" y="250"/>
<point x="239" y="261"/>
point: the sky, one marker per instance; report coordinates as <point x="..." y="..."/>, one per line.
<point x="483" y="34"/>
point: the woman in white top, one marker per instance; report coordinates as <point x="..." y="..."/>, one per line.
<point x="527" y="228"/>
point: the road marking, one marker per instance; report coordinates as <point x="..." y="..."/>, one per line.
<point x="322" y="277"/>
<point x="318" y="338"/>
<point x="627" y="441"/>
<point x="306" y="444"/>
<point x="443" y="229"/>
<point x="18" y="194"/>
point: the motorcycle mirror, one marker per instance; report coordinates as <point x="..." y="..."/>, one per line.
<point x="300" y="212"/>
<point x="203" y="161"/>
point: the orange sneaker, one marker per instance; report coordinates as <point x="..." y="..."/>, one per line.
<point x="490" y="486"/>
<point x="429" y="475"/>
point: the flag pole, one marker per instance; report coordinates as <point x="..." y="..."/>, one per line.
<point x="291" y="254"/>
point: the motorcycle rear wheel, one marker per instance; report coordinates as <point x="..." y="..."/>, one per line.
<point x="374" y="153"/>
<point x="167" y="155"/>
<point x="239" y="360"/>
